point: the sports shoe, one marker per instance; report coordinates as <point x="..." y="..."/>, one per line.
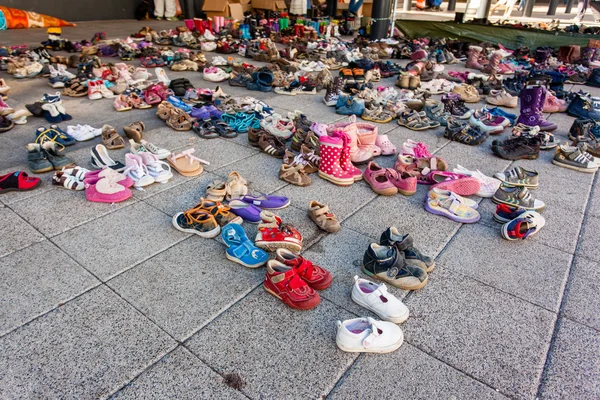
<point x="316" y="277"/>
<point x="527" y="224"/>
<point x="137" y="170"/>
<point x="452" y="206"/>
<point x="404" y="243"/>
<point x="519" y="148"/>
<point x="517" y="196"/>
<point x="82" y="133"/>
<point x="214" y="74"/>
<point x="464" y="133"/>
<point x="271" y="145"/>
<point x="488" y="185"/>
<point x="273" y="234"/>
<point x="376" y="298"/>
<point x="387" y="264"/>
<point x="518" y="176"/>
<point x="572" y="157"/>
<point x="505" y="213"/>
<point x="366" y="335"/>
<point x="196" y="221"/>
<point x="456" y="183"/>
<point x="285" y="283"/>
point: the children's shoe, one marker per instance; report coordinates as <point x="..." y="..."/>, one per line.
<point x="284" y="283"/>
<point x="404" y="243"/>
<point x="415" y="149"/>
<point x="273" y="234"/>
<point x="18" y="181"/>
<point x="37" y="160"/>
<point x="451" y="206"/>
<point x="220" y="211"/>
<point x="366" y="335"/>
<point x="527" y="224"/>
<point x="574" y="158"/>
<point x="376" y="298"/>
<point x="505" y="213"/>
<point x="53" y="155"/>
<point x="488" y="185"/>
<point x="106" y="190"/>
<point x="519" y="176"/>
<point x="137" y="170"/>
<point x="387" y="264"/>
<point x="457" y="183"/>
<point x="517" y="196"/>
<point x="159" y="170"/>
<point x="240" y="249"/>
<point x="316" y="277"/>
<point x="196" y="221"/>
<point x="320" y="215"/>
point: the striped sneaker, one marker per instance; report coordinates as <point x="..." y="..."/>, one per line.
<point x="271" y="145"/>
<point x="505" y="213"/>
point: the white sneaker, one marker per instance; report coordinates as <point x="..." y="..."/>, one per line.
<point x="81" y="133"/>
<point x="489" y="185"/>
<point x="219" y="61"/>
<point x="278" y="126"/>
<point x="162" y="76"/>
<point x="214" y="74"/>
<point x="62" y="70"/>
<point x="136" y="170"/>
<point x="209" y="36"/>
<point x="208" y="46"/>
<point x="157" y="151"/>
<point x="376" y="298"/>
<point x="156" y="169"/>
<point x="365" y="335"/>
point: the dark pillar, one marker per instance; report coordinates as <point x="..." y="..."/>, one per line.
<point x="331" y="9"/>
<point x="552" y="7"/>
<point x="528" y="9"/>
<point x="381" y="9"/>
<point x="451" y="5"/>
<point x="568" y="7"/>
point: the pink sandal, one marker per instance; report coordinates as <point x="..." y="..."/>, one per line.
<point x="122" y="103"/>
<point x="387" y="147"/>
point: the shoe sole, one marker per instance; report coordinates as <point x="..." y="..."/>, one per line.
<point x="273" y="246"/>
<point x="403" y="287"/>
<point x="421" y="264"/>
<point x="287" y="303"/>
<point x="383" y="350"/>
<point x="586" y="170"/>
<point x="339" y="182"/>
<point x="39" y="171"/>
<point x="209" y="235"/>
<point x="495" y="200"/>
<point x="454" y="218"/>
<point x="462" y="187"/>
<point x="397" y="320"/>
<point x="237" y="260"/>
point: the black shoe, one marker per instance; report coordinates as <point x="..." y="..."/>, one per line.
<point x="520" y="148"/>
<point x="404" y="243"/>
<point x="464" y="133"/>
<point x="387" y="264"/>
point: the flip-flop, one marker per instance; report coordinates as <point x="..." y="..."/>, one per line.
<point x="186" y="163"/>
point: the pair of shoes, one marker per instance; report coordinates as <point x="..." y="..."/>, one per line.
<point x="518" y="223"/>
<point x="97" y="90"/>
<point x="293" y="279"/>
<point x="53" y="109"/>
<point x="205" y="219"/>
<point x="53" y="134"/>
<point x="144" y="168"/>
<point x="273" y="234"/>
<point x="82" y="133"/>
<point x="145" y="146"/>
<point x="46" y="157"/>
<point x="464" y="133"/>
<point x="451" y="205"/>
<point x="335" y="165"/>
<point x="576" y="157"/>
<point x="100" y="159"/>
<point x="70" y="178"/>
<point x="320" y="215"/>
<point x="240" y="249"/>
<point x="388" y="182"/>
<point x="107" y="186"/>
<point x="18" y="181"/>
<point x="396" y="261"/>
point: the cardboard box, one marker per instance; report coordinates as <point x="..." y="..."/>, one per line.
<point x="271" y="5"/>
<point x="367" y="8"/>
<point x="226" y="8"/>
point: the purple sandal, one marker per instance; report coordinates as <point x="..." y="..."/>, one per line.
<point x="268" y="202"/>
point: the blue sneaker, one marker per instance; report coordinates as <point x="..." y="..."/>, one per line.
<point x="348" y="105"/>
<point x="53" y="134"/>
<point x="585" y="107"/>
<point x="240" y="249"/>
<point x="498" y="112"/>
<point x="58" y="81"/>
<point x="49" y="98"/>
<point x="179" y="104"/>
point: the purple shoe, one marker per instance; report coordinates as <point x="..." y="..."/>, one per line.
<point x="248" y="212"/>
<point x="200" y="113"/>
<point x="214" y="111"/>
<point x="268" y="202"/>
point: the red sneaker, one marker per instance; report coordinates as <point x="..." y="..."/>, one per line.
<point x="284" y="283"/>
<point x="315" y="276"/>
<point x="273" y="234"/>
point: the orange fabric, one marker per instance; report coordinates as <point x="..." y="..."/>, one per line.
<point x="19" y="19"/>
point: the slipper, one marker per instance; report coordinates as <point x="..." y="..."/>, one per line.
<point x="267" y="202"/>
<point x="248" y="212"/>
<point x="18" y="181"/>
<point x="186" y="163"/>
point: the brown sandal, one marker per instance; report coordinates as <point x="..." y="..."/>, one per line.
<point x="135" y="131"/>
<point x="111" y="138"/>
<point x="164" y="110"/>
<point x="294" y="174"/>
<point x="178" y="121"/>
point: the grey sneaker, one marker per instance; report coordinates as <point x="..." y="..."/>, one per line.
<point x="387" y="264"/>
<point x="572" y="157"/>
<point x="37" y="159"/>
<point x="519" y="177"/>
<point x="404" y="243"/>
<point x="436" y="112"/>
<point x="57" y="160"/>
<point x="517" y="196"/>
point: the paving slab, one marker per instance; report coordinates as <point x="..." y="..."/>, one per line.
<point x="341" y="254"/>
<point x="588" y="246"/>
<point x="87" y="348"/>
<point x="490" y="335"/>
<point x="274" y="348"/>
<point x="529" y="269"/>
<point x="36" y="280"/>
<point x="15" y="232"/>
<point x="221" y="152"/>
<point x="183" y="196"/>
<point x="343" y="201"/>
<point x="179" y="375"/>
<point x="116" y="242"/>
<point x="430" y="232"/>
<point x="580" y="304"/>
<point x="573" y="364"/>
<point x="415" y="375"/>
<point x="470" y="157"/>
<point x="69" y="209"/>
<point x="182" y="297"/>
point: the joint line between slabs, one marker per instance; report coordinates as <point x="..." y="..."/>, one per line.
<point x="565" y="292"/>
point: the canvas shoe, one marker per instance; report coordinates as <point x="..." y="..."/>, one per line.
<point x="159" y="170"/>
<point x="284" y="283"/>
<point x="573" y="157"/>
<point x="366" y="335"/>
<point x="519" y="176"/>
<point x="387" y="264"/>
<point x="517" y="196"/>
<point x="273" y="234"/>
<point x="488" y="185"/>
<point x="404" y="243"/>
<point x="136" y="170"/>
<point x="452" y="206"/>
<point x="376" y="298"/>
<point x="157" y="151"/>
<point x="316" y="277"/>
<point x="196" y="221"/>
<point x="82" y="133"/>
<point x="527" y="224"/>
<point x="505" y="213"/>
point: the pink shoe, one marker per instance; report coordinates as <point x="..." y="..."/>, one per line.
<point x="377" y="178"/>
<point x="367" y="136"/>
<point x="420" y="168"/>
<point x="415" y="149"/>
<point x="330" y="168"/>
<point x="357" y="155"/>
<point x="387" y="148"/>
<point x="406" y="184"/>
<point x="106" y="191"/>
<point x="319" y="129"/>
<point x="94" y="176"/>
<point x="460" y="184"/>
<point x="345" y="161"/>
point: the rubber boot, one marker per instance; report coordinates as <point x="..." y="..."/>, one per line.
<point x="532" y="104"/>
<point x="330" y="169"/>
<point x="492" y="67"/>
<point x="473" y="56"/>
<point x="345" y="161"/>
